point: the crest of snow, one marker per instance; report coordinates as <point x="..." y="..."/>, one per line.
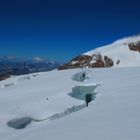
<point x="119" y="50"/>
<point x="128" y="39"/>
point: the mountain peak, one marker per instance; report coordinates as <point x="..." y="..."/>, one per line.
<point x="121" y="53"/>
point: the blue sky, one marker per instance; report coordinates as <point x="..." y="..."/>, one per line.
<point x="62" y="29"/>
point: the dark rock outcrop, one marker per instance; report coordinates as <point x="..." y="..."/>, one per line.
<point x="78" y="62"/>
<point x="4" y="76"/>
<point x="94" y="61"/>
<point x="134" y="46"/>
<point x="108" y="61"/>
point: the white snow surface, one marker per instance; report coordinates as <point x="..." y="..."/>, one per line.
<point x="119" y="50"/>
<point x="113" y="115"/>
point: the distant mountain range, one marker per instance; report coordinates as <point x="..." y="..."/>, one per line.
<point x="10" y="65"/>
<point x="122" y="53"/>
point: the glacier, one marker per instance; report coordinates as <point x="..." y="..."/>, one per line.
<point x="114" y="114"/>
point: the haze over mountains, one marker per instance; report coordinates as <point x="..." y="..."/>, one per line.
<point x="19" y="66"/>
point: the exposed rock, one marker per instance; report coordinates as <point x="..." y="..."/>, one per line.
<point x="94" y="61"/>
<point x="97" y="64"/>
<point x="134" y="46"/>
<point x="108" y="61"/>
<point x="97" y="61"/>
<point x="4" y="76"/>
<point x="117" y="54"/>
<point x="78" y="62"/>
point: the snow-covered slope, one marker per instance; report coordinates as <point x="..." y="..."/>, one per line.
<point x="114" y="114"/>
<point x="121" y="53"/>
<point x="119" y="50"/>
